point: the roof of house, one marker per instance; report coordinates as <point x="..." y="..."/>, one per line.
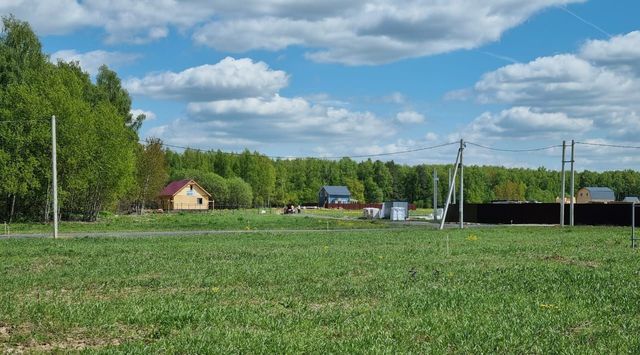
<point x="601" y="193"/>
<point x="631" y="199"/>
<point x="175" y="187"/>
<point x="336" y="190"/>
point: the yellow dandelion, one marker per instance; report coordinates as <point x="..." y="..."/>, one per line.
<point x="472" y="237"/>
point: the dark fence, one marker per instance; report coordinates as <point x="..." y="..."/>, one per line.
<point x="359" y="206"/>
<point x="594" y="214"/>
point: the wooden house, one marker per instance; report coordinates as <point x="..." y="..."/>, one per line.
<point x="184" y="195"/>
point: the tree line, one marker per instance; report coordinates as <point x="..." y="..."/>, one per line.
<point x="281" y="181"/>
<point x="103" y="166"/>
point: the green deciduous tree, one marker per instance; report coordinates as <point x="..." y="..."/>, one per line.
<point x="95" y="143"/>
<point x="240" y="194"/>
<point x="151" y="172"/>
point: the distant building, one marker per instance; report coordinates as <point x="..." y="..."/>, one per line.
<point x="184" y="195"/>
<point x="333" y="194"/>
<point x="567" y="200"/>
<point x="395" y="210"/>
<point x="631" y="199"/>
<point x="595" y="194"/>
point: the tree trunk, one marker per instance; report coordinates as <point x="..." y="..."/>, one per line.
<point x="144" y="194"/>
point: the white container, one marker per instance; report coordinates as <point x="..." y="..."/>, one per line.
<point x="398" y="214"/>
<point x="371" y="213"/>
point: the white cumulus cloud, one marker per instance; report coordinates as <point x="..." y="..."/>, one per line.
<point x="349" y="32"/>
<point x="520" y="122"/>
<point x="595" y="91"/>
<point x="91" y="61"/>
<point x="410" y="117"/>
<point x="227" y="79"/>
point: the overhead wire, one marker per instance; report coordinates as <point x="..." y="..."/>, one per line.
<point x="609" y="145"/>
<point x="514" y="150"/>
<point x="321" y="157"/>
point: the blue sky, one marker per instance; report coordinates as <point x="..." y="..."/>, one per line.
<point x="335" y="78"/>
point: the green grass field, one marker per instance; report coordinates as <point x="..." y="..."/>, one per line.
<point x="514" y="290"/>
<point x="251" y="219"/>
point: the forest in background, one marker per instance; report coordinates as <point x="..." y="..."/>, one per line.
<point x="103" y="166"/>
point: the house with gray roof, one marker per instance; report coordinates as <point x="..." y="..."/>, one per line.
<point x="595" y="194"/>
<point x="333" y="194"/>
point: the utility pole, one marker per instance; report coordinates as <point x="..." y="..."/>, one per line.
<point x="573" y="178"/>
<point x="54" y="168"/>
<point x="454" y="187"/>
<point x="564" y="149"/>
<point x="435" y="195"/>
<point x="461" y="200"/>
<point x="449" y="194"/>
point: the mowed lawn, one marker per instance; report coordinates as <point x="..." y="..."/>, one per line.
<point x="250" y="219"/>
<point x="499" y="290"/>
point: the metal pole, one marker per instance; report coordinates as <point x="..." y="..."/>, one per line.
<point x="564" y="148"/>
<point x="54" y="168"/>
<point x="633" y="225"/>
<point x="435" y="195"/>
<point x="453" y="179"/>
<point x="573" y="178"/>
<point x="461" y="200"/>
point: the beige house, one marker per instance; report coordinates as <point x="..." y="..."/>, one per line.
<point x="595" y="194"/>
<point x="184" y="195"/>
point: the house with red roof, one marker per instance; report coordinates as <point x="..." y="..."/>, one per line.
<point x="184" y="195"/>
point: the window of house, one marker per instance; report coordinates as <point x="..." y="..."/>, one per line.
<point x="199" y="201"/>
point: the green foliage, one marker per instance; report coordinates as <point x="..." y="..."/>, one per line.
<point x="510" y="191"/>
<point x="299" y="180"/>
<point x="151" y="172"/>
<point x="240" y="194"/>
<point x="356" y="188"/>
<point x="95" y="144"/>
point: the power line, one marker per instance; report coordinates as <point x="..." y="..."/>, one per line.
<point x="325" y="157"/>
<point x="515" y="150"/>
<point x="609" y="145"/>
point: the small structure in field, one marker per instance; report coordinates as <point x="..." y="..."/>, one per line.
<point x="371" y="213"/>
<point x="333" y="194"/>
<point x="184" y="195"/>
<point x="395" y="210"/>
<point x="595" y="194"/>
